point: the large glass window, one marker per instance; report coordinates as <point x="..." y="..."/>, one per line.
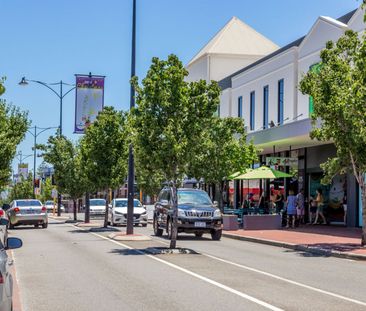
<point x="240" y="106"/>
<point x="252" y="110"/>
<point x="265" y="106"/>
<point x="280" y="102"/>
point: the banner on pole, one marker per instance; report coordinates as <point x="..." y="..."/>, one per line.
<point x="23" y="170"/>
<point x="89" y="100"/>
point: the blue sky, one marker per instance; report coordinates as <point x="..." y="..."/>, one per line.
<point x="52" y="40"/>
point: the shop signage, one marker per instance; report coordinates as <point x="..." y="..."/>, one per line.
<point x="281" y="161"/>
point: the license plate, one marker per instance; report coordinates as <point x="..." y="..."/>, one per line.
<point x="200" y="224"/>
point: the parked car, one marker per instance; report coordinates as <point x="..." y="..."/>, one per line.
<point x="6" y="278"/>
<point x="27" y="212"/>
<point x="50" y="204"/>
<point x="97" y="207"/>
<point x="117" y="213"/>
<point x="196" y="213"/>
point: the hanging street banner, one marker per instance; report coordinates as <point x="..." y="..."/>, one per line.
<point x="89" y="100"/>
<point x="281" y="161"/>
<point x="23" y="170"/>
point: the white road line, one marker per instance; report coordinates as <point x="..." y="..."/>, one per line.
<point x="198" y="276"/>
<point x="280" y="278"/>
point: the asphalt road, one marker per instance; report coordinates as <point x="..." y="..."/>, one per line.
<point x="66" y="268"/>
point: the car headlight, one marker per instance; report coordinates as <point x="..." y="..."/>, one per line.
<point x="217" y="213"/>
<point x="181" y="213"/>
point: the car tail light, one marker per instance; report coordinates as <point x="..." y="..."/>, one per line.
<point x="1" y="213"/>
<point x="44" y="209"/>
<point x="1" y="278"/>
<point x="17" y="210"/>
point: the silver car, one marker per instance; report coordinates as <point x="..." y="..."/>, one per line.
<point x="97" y="207"/>
<point x="117" y="213"/>
<point x="27" y="212"/>
<point x="6" y="279"/>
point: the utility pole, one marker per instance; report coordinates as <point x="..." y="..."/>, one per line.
<point x="131" y="164"/>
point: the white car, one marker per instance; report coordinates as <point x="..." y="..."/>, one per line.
<point x="49" y="205"/>
<point x="117" y="213"/>
<point x="97" y="207"/>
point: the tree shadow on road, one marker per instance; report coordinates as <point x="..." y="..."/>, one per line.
<point x="153" y="251"/>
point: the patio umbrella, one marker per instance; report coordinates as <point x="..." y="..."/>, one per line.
<point x="236" y="174"/>
<point x="263" y="172"/>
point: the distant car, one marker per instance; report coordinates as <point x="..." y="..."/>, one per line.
<point x="117" y="213"/>
<point x="27" y="212"/>
<point x="196" y="213"/>
<point x="97" y="207"/>
<point x="50" y="205"/>
<point x="6" y="278"/>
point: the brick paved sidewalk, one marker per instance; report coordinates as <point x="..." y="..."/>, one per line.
<point x="327" y="240"/>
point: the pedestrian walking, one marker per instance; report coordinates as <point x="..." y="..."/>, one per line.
<point x="291" y="209"/>
<point x="320" y="207"/>
<point x="300" y="206"/>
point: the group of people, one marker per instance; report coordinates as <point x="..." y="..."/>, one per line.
<point x="295" y="206"/>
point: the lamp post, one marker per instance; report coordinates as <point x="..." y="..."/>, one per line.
<point x="35" y="135"/>
<point x="61" y="96"/>
<point x="22" y="157"/>
<point x="131" y="175"/>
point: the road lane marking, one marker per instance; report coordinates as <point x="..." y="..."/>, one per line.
<point x="198" y="276"/>
<point x="280" y="278"/>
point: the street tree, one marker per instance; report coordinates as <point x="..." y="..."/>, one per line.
<point x="23" y="189"/>
<point x="63" y="154"/>
<point x="223" y="150"/>
<point x="167" y="124"/>
<point x="338" y="89"/>
<point x="13" y="126"/>
<point x="104" y="152"/>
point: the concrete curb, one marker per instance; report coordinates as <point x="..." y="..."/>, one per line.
<point x="59" y="218"/>
<point x="119" y="236"/>
<point x="87" y="225"/>
<point x="297" y="247"/>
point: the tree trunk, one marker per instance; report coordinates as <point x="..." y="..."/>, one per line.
<point x="75" y="210"/>
<point x="174" y="230"/>
<point x="106" y="209"/>
<point x="363" y="195"/>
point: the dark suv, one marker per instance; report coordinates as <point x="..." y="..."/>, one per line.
<point x="196" y="213"/>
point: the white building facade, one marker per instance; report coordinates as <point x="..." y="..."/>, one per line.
<point x="276" y="114"/>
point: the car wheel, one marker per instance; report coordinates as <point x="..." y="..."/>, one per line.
<point x="144" y="225"/>
<point x="36" y="226"/>
<point x="216" y="235"/>
<point x="157" y="230"/>
<point x="45" y="225"/>
<point x="199" y="234"/>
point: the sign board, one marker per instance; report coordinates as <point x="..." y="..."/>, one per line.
<point x="282" y="161"/>
<point x="89" y="100"/>
<point x="54" y="193"/>
<point x="23" y="170"/>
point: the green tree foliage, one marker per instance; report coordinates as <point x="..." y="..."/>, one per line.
<point x="22" y="189"/>
<point x="104" y="152"/>
<point x="167" y="125"/>
<point x="223" y="150"/>
<point x="339" y="93"/>
<point x="65" y="158"/>
<point x="13" y="126"/>
<point x="46" y="190"/>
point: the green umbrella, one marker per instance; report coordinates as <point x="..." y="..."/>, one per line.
<point x="263" y="172"/>
<point x="236" y="174"/>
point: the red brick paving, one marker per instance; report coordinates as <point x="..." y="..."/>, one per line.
<point x="336" y="239"/>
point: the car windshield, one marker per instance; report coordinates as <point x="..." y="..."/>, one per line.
<point x="193" y="197"/>
<point x="49" y="203"/>
<point x="97" y="202"/>
<point x="123" y="203"/>
<point x="21" y="203"/>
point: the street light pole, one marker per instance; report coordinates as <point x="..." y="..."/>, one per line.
<point x="131" y="164"/>
<point x="60" y="95"/>
<point x="35" y="135"/>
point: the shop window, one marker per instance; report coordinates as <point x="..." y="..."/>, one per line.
<point x="252" y="110"/>
<point x="280" y="102"/>
<point x="240" y="106"/>
<point x="265" y="106"/>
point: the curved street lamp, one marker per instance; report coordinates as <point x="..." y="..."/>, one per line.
<point x="60" y="95"/>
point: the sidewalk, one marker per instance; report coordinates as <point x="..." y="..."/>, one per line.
<point x="324" y="240"/>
